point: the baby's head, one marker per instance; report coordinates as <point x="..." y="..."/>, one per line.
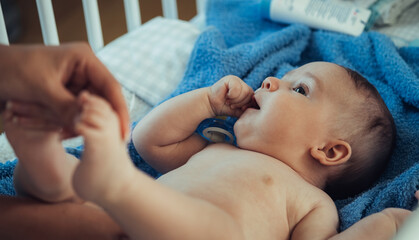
<point x="324" y="120"/>
<point x="369" y="128"/>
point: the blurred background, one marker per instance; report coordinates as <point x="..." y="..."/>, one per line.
<point x="23" y="22"/>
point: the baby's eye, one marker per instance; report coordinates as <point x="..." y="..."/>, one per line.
<point x="301" y="90"/>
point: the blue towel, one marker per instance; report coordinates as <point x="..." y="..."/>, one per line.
<point x="241" y="43"/>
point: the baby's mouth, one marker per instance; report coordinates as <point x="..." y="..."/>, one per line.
<point x="253" y="103"/>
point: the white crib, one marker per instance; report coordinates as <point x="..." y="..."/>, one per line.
<point x="92" y="19"/>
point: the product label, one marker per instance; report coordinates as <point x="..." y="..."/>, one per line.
<point x="327" y="10"/>
<point x="322" y="14"/>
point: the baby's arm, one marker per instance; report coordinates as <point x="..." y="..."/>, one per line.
<point x="381" y="226"/>
<point x="319" y="224"/>
<point x="165" y="137"/>
<point x="44" y="170"/>
<point x="322" y="223"/>
<point x="144" y="208"/>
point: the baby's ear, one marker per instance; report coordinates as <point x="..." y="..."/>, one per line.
<point x="334" y="153"/>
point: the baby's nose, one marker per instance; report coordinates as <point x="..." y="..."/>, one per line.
<point x="271" y="84"/>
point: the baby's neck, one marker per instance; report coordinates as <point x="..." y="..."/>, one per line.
<point x="311" y="171"/>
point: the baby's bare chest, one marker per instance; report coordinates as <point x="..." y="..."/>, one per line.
<point x="258" y="191"/>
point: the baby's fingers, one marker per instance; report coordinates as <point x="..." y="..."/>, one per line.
<point x="28" y="116"/>
<point x="12" y="121"/>
<point x="243" y="103"/>
<point x="238" y="90"/>
<point x="239" y="93"/>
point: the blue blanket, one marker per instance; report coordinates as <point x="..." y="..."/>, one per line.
<point x="239" y="42"/>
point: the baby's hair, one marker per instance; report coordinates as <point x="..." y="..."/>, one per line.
<point x="372" y="139"/>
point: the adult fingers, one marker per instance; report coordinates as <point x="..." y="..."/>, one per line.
<point x="63" y="104"/>
<point x="83" y="71"/>
<point x="32" y="110"/>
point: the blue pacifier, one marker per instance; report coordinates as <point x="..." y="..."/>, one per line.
<point x="217" y="130"/>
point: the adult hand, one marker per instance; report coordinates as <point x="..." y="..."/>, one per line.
<point x="53" y="76"/>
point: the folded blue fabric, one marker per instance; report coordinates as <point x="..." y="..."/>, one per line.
<point x="241" y="43"/>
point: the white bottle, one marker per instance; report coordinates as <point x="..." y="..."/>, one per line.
<point x="320" y="14"/>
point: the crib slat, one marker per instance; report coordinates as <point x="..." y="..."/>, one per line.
<point x="47" y="20"/>
<point x="200" y="6"/>
<point x="132" y="14"/>
<point x="170" y="9"/>
<point x="3" y="31"/>
<point x="93" y="26"/>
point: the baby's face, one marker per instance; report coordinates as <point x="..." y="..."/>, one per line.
<point x="296" y="112"/>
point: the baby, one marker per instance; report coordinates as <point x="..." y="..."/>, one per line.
<point x="320" y="128"/>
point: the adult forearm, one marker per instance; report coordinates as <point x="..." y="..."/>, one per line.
<point x="28" y="219"/>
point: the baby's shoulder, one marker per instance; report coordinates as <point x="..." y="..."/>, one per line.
<point x="318" y="215"/>
<point x="316" y="197"/>
<point x="324" y="201"/>
<point x="305" y="199"/>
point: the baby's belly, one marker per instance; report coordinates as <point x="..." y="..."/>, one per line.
<point x="245" y="184"/>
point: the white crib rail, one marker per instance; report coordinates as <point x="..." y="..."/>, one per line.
<point x="169" y="9"/>
<point x="200" y="6"/>
<point x="47" y="19"/>
<point x="93" y="26"/>
<point x="132" y="14"/>
<point x="3" y="31"/>
<point x="92" y="18"/>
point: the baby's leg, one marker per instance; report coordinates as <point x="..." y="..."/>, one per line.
<point x="44" y="170"/>
<point x="144" y="208"/>
<point x="105" y="159"/>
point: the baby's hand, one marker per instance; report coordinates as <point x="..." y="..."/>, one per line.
<point x="230" y="96"/>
